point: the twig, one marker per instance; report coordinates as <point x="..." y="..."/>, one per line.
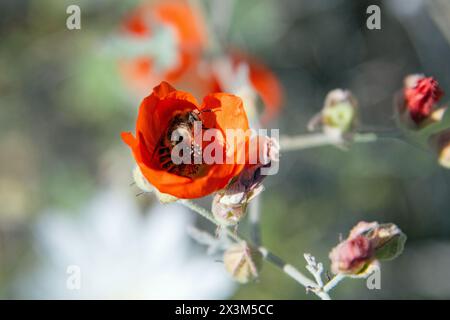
<point x="254" y="218"/>
<point x="209" y="216"/>
<point x="288" y="269"/>
<point x="314" y="140"/>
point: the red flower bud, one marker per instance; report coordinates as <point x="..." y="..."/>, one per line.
<point x="421" y="94"/>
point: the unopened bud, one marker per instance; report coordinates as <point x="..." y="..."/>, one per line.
<point x="367" y="243"/>
<point x="242" y="262"/>
<point x="351" y="256"/>
<point x="417" y="106"/>
<point x="229" y="205"/>
<point x="388" y="241"/>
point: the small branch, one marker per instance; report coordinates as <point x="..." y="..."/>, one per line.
<point x="314" y="268"/>
<point x="214" y="244"/>
<point x="209" y="216"/>
<point x="292" y="272"/>
<point x="288" y="269"/>
<point x="254" y="218"/>
<point x="314" y="140"/>
<point x="333" y="282"/>
<point x="196" y="208"/>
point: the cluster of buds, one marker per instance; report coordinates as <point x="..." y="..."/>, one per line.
<point x="366" y="244"/>
<point x="338" y="116"/>
<point x="243" y="262"/>
<point x="229" y="205"/>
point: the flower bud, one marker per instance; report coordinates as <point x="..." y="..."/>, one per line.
<point x="417" y="108"/>
<point x="242" y="262"/>
<point x="227" y="214"/>
<point x="440" y="144"/>
<point x="339" y="113"/>
<point x="229" y="205"/>
<point x="366" y="243"/>
<point x="388" y="241"/>
<point x="351" y="256"/>
<point x="421" y="94"/>
<point x="146" y="186"/>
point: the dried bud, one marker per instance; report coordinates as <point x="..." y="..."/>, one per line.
<point x="366" y="243"/>
<point x="229" y="205"/>
<point x="388" y="241"/>
<point x="227" y="214"/>
<point x="242" y="262"/>
<point x="339" y="113"/>
<point x="146" y="186"/>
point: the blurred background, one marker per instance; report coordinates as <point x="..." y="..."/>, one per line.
<point x="65" y="174"/>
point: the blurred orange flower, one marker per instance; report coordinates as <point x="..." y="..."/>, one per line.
<point x="185" y="63"/>
<point x="166" y="111"/>
<point x="261" y="80"/>
<point x="189" y="30"/>
<point x="266" y="84"/>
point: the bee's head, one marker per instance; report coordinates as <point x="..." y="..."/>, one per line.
<point x="181" y="133"/>
<point x="181" y="129"/>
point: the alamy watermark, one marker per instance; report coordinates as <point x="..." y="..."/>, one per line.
<point x="373" y="282"/>
<point x="73" y="281"/>
<point x="373" y="22"/>
<point x="73" y="21"/>
<point x="236" y="146"/>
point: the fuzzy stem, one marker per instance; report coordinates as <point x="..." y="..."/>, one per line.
<point x="333" y="282"/>
<point x="288" y="269"/>
<point x="254" y="218"/>
<point x="209" y="216"/>
<point x="314" y="140"/>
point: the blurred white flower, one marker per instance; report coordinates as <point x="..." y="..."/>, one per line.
<point x="122" y="254"/>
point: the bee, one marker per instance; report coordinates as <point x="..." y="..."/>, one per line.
<point x="180" y="129"/>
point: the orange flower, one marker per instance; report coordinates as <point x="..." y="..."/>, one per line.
<point x="190" y="34"/>
<point x="166" y="111"/>
<point x="268" y="87"/>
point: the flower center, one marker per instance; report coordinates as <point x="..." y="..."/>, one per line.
<point x="180" y="130"/>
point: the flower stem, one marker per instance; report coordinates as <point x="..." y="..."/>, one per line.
<point x="209" y="216"/>
<point x="288" y="269"/>
<point x="314" y="140"/>
<point x="333" y="282"/>
<point x="254" y="218"/>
